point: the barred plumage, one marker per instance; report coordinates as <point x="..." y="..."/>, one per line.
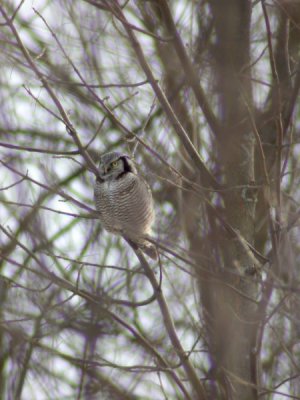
<point x="124" y="200"/>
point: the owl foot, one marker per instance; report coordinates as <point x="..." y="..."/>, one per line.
<point x="147" y="248"/>
<point x="150" y="250"/>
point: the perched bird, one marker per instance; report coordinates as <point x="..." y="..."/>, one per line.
<point x="124" y="200"/>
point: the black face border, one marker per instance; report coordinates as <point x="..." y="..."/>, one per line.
<point x="127" y="167"/>
<point x="126" y="164"/>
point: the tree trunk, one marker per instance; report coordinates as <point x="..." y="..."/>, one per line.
<point x="230" y="303"/>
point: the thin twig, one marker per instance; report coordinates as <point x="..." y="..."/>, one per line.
<point x="51" y="189"/>
<point x="180" y="131"/>
<point x="169" y="325"/>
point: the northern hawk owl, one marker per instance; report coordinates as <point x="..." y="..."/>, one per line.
<point x="124" y="200"/>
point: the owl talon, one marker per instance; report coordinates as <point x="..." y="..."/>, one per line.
<point x="151" y="251"/>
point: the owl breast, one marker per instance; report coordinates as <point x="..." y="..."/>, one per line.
<point x="125" y="205"/>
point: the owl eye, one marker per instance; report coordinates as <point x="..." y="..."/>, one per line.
<point x="114" y="164"/>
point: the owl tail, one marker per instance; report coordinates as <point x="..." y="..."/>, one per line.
<point x="149" y="249"/>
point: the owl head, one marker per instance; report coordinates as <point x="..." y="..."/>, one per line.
<point x="115" y="165"/>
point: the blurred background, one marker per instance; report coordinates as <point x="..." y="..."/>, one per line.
<point x="205" y="93"/>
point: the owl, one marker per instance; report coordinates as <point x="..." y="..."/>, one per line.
<point x="124" y="200"/>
